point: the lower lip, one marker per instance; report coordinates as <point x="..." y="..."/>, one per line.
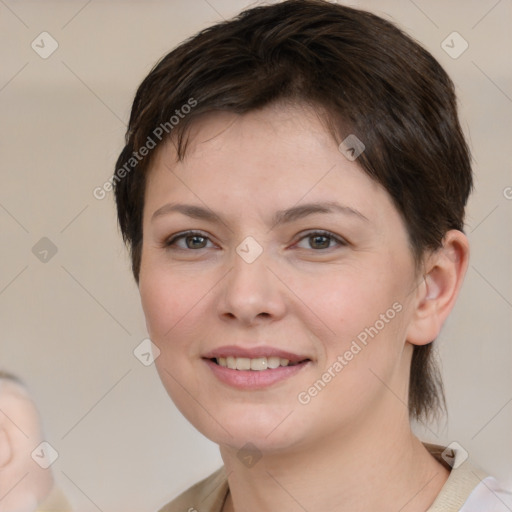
<point x="254" y="379"/>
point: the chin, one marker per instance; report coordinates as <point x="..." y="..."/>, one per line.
<point x="263" y="428"/>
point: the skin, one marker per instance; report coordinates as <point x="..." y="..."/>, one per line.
<point x="23" y="483"/>
<point x="307" y="298"/>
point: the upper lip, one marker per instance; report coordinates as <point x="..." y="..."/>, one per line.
<point x="254" y="352"/>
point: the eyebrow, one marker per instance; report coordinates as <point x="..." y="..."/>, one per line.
<point x="280" y="217"/>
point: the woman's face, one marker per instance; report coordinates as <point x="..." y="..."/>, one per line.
<point x="295" y="253"/>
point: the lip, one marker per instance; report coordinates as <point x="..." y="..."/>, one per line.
<point x="252" y="379"/>
<point x="252" y="353"/>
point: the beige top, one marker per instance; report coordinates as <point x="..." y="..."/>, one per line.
<point x="209" y="494"/>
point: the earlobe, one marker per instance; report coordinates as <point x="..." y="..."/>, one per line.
<point x="436" y="295"/>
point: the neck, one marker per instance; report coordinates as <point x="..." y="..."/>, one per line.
<point x="379" y="466"/>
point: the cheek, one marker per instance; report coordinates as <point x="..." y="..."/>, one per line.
<point x="168" y="302"/>
<point x="348" y="303"/>
<point x="366" y="317"/>
<point x="167" y="299"/>
<point x="175" y="306"/>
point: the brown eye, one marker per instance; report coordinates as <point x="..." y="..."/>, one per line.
<point x="319" y="240"/>
<point x="188" y="240"/>
<point x="195" y="242"/>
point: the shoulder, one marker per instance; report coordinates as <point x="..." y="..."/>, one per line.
<point x="208" y="495"/>
<point x="490" y="496"/>
<point x="468" y="488"/>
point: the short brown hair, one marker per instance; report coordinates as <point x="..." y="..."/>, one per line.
<point x="362" y="74"/>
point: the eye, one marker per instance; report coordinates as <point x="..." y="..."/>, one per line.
<point x="189" y="240"/>
<point x="319" y="240"/>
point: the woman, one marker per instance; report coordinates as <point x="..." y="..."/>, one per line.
<point x="292" y="191"/>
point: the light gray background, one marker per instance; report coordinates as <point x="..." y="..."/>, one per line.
<point x="69" y="326"/>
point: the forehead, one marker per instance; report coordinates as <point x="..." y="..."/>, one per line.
<point x="274" y="157"/>
<point x="298" y="130"/>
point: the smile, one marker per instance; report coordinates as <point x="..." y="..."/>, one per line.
<point x="241" y="375"/>
<point x="254" y="364"/>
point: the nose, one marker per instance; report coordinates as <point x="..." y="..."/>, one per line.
<point x="251" y="293"/>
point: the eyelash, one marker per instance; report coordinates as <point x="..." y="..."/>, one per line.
<point x="168" y="244"/>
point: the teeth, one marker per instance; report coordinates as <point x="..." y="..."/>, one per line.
<point x="243" y="363"/>
<point x="259" y="363"/>
<point x="256" y="364"/>
<point x="273" y="362"/>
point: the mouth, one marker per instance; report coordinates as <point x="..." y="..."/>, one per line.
<point x="256" y="364"/>
<point x="255" y="368"/>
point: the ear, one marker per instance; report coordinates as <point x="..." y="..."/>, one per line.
<point x="444" y="272"/>
<point x="5" y="448"/>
